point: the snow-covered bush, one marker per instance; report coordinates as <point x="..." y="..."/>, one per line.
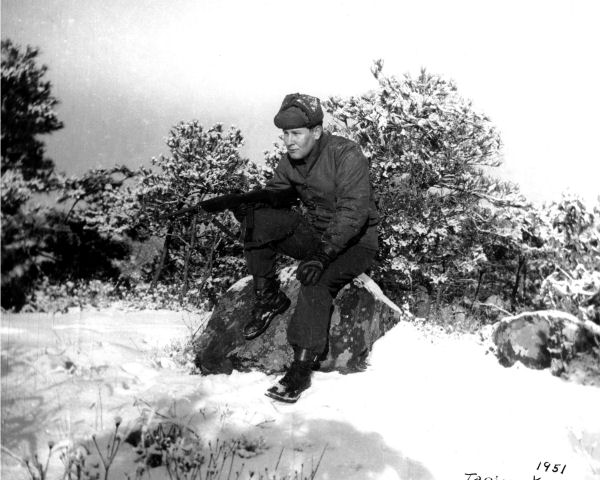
<point x="87" y="240"/>
<point x="564" y="264"/>
<point x="430" y="155"/>
<point x="25" y="251"/>
<point x="204" y="162"/>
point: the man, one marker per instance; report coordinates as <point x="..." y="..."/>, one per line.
<point x="335" y="242"/>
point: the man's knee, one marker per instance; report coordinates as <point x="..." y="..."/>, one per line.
<point x="270" y="225"/>
<point x="345" y="268"/>
<point x="315" y="296"/>
<point x="326" y="289"/>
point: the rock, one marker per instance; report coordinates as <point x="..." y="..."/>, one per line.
<point x="536" y="338"/>
<point x="361" y="315"/>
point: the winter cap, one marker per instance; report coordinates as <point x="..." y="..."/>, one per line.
<point x="299" y="110"/>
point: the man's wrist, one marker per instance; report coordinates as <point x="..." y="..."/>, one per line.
<point x="328" y="251"/>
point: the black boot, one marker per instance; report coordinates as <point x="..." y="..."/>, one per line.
<point x="269" y="302"/>
<point x="297" y="377"/>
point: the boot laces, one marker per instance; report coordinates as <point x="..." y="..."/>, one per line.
<point x="267" y="300"/>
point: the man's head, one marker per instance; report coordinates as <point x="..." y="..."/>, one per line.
<point x="301" y="119"/>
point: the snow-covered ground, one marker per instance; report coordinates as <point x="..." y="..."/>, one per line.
<point x="430" y="406"/>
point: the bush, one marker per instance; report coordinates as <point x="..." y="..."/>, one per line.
<point x="564" y="265"/>
<point x="203" y="163"/>
<point x="430" y="154"/>
<point x="88" y="241"/>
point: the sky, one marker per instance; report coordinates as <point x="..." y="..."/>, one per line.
<point x="127" y="71"/>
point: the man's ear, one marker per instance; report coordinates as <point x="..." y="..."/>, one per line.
<point x="317" y="131"/>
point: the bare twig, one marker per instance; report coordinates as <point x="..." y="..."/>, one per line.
<point x="163" y="257"/>
<point x="188" y="254"/>
<point x="496" y="307"/>
<point x="72" y="208"/>
<point x="495" y="200"/>
<point x="314" y="472"/>
<point x="13" y="455"/>
<point x="208" y="269"/>
<point x="279" y="459"/>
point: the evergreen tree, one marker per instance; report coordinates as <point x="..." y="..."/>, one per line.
<point x="27" y="111"/>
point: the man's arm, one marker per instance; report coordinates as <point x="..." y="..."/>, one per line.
<point x="353" y="195"/>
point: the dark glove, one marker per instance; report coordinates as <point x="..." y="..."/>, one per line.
<point x="240" y="212"/>
<point x="312" y="267"/>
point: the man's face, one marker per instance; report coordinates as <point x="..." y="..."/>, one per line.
<point x="300" y="141"/>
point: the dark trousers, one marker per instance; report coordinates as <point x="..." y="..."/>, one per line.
<point x="282" y="231"/>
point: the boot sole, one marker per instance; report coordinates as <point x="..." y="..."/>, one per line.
<point x="280" y="310"/>
<point x="283" y="399"/>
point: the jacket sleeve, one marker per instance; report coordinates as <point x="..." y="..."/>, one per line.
<point x="352" y="197"/>
<point x="280" y="180"/>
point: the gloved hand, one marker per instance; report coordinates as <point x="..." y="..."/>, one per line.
<point x="240" y="212"/>
<point x="312" y="267"/>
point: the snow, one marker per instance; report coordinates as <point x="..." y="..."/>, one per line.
<point x="431" y="405"/>
<point x="366" y="282"/>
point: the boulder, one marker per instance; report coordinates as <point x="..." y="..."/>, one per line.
<point x="361" y="315"/>
<point x="537" y="338"/>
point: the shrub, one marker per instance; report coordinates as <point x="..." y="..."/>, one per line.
<point x="430" y="154"/>
<point x="564" y="266"/>
<point x="203" y="163"/>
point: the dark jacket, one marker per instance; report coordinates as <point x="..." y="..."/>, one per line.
<point x="333" y="183"/>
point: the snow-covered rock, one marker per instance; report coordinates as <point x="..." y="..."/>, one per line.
<point x="534" y="338"/>
<point x="362" y="314"/>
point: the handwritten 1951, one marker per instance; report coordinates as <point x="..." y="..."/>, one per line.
<point x="556" y="468"/>
<point x="550" y="468"/>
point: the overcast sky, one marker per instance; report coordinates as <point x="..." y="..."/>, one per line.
<point x="127" y="70"/>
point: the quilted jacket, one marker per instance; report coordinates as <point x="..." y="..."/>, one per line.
<point x="333" y="183"/>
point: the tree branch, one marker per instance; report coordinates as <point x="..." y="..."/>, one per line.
<point x="495" y="200"/>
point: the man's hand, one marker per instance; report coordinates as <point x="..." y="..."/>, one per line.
<point x="240" y="212"/>
<point x="312" y="267"/>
